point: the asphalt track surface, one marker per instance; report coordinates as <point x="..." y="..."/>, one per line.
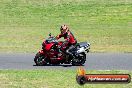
<point x="95" y="61"/>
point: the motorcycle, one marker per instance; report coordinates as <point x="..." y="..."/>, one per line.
<point x="51" y="55"/>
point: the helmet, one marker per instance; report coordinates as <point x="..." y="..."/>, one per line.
<point x="64" y="29"/>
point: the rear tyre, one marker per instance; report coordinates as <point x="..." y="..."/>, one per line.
<point x="40" y="59"/>
<point x="80" y="60"/>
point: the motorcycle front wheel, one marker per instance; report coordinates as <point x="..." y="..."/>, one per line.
<point x="40" y="59"/>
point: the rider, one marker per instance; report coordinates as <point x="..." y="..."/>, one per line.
<point x="70" y="40"/>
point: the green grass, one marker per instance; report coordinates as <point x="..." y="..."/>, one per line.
<point x="52" y="79"/>
<point x="106" y="24"/>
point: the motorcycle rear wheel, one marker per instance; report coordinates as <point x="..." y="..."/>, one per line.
<point x="80" y="60"/>
<point x="40" y="59"/>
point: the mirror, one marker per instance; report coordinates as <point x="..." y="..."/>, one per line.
<point x="50" y="34"/>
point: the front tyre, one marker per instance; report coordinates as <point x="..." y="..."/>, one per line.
<point x="40" y="59"/>
<point x="80" y="60"/>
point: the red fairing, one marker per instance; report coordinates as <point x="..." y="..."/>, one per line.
<point x="48" y="46"/>
<point x="60" y="42"/>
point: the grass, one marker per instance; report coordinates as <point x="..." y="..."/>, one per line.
<point x="106" y="24"/>
<point x="52" y="79"/>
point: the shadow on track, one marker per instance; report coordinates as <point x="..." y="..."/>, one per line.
<point x="62" y="65"/>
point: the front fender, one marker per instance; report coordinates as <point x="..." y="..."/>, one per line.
<point x="41" y="51"/>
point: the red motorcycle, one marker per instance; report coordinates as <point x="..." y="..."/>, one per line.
<point x="50" y="53"/>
